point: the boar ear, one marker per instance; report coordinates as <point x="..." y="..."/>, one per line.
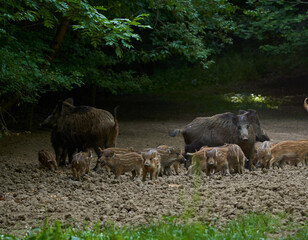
<point x="70" y="101"/>
<point x="66" y="107"/>
<point x="242" y="111"/>
<point x="235" y="119"/>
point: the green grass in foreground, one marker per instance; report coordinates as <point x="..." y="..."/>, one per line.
<point x="252" y="226"/>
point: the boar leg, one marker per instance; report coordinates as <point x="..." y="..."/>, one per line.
<point x="188" y="171"/>
<point x="74" y="172"/>
<point x="138" y="172"/>
<point x="225" y="170"/>
<point x="167" y="171"/>
<point x="133" y="174"/>
<point x="155" y="174"/>
<point x="272" y="161"/>
<point x="117" y="173"/>
<point x="144" y="174"/>
<point x="162" y="171"/>
<point x="176" y="167"/>
<point x="70" y="152"/>
<point x="282" y="163"/>
<point x="78" y="175"/>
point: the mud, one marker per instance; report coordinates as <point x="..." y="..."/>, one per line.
<point x="29" y="194"/>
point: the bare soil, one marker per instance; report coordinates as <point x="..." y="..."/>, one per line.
<point x="29" y="194"/>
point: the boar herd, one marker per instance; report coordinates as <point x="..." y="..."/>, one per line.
<point x="224" y="143"/>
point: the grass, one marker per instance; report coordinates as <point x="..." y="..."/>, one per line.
<point x="251" y="226"/>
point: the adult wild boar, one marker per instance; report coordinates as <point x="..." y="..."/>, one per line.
<point x="242" y="129"/>
<point x="80" y="127"/>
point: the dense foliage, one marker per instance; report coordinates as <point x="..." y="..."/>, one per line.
<point x="51" y="45"/>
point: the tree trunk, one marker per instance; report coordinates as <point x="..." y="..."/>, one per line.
<point x="29" y="116"/>
<point x="55" y="45"/>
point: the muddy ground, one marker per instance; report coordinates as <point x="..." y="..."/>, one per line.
<point x="29" y="194"/>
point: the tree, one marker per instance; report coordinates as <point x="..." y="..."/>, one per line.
<point x="23" y="75"/>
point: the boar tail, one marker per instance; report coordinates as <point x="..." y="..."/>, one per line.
<point x="306" y="104"/>
<point x="174" y="133"/>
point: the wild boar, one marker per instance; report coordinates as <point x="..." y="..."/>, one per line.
<point x="297" y="150"/>
<point x="116" y="150"/>
<point x="47" y="160"/>
<point x="236" y="158"/>
<point x="306" y="104"/>
<point x="243" y="129"/>
<point x="121" y="163"/>
<point x="151" y="164"/>
<point x="80" y="128"/>
<point x="81" y="164"/>
<point x="263" y="154"/>
<point x="217" y="161"/>
<point x="170" y="156"/>
<point x="199" y="161"/>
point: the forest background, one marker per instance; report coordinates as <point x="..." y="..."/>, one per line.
<point x="217" y="54"/>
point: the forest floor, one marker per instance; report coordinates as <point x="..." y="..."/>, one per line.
<point x="29" y="194"/>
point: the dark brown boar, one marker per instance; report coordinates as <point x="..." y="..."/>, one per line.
<point x="47" y="160"/>
<point x="243" y="129"/>
<point x="121" y="163"/>
<point x="170" y="156"/>
<point x="151" y="164"/>
<point x="81" y="164"/>
<point x="80" y="128"/>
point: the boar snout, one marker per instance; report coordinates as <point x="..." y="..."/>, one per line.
<point x="244" y="138"/>
<point x="211" y="163"/>
<point x="98" y="164"/>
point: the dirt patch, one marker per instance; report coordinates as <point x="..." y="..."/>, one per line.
<point x="29" y="194"/>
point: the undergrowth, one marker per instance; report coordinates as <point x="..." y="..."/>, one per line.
<point x="250" y="226"/>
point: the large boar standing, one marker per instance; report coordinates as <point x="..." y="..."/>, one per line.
<point x="80" y="127"/>
<point x="243" y="129"/>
